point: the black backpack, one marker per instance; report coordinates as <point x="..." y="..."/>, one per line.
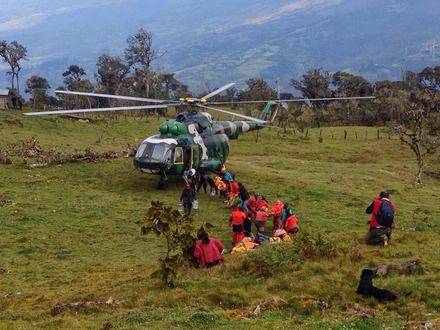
<point x="385" y="214"/>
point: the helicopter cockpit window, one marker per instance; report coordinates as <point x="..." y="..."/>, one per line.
<point x="178" y="155"/>
<point x="154" y="152"/>
<point x="140" y="152"/>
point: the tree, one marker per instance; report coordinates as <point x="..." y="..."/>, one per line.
<point x="111" y="73"/>
<point x="12" y="54"/>
<point x="179" y="234"/>
<point x="315" y="84"/>
<point x="417" y="123"/>
<point x="345" y="85"/>
<point x="140" y="54"/>
<point x="37" y="86"/>
<point x="257" y="90"/>
<point x="74" y="80"/>
<point x="73" y="73"/>
<point x="170" y="87"/>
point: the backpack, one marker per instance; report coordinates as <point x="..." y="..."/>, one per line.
<point x="385" y="214"/>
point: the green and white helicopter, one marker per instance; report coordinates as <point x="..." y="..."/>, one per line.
<point x="193" y="140"/>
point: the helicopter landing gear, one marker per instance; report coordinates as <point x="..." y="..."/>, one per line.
<point x="163" y="182"/>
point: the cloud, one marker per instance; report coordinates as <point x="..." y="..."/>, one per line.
<point x="27" y="21"/>
<point x="283" y="10"/>
<point x="22" y="22"/>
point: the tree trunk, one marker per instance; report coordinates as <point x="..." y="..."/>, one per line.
<point x="13" y="79"/>
<point x="420" y="164"/>
<point x="18" y="84"/>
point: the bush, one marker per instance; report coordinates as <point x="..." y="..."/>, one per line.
<point x="270" y="259"/>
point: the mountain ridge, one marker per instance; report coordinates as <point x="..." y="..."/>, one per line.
<point x="208" y="44"/>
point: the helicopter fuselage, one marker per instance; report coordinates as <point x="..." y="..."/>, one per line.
<point x="192" y="141"/>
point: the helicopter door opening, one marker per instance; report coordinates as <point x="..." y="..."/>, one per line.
<point x="178" y="156"/>
<point x="195" y="154"/>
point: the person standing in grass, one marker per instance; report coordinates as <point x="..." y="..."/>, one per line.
<point x="236" y="221"/>
<point x="381" y="220"/>
<point x="207" y="251"/>
<point x="187" y="198"/>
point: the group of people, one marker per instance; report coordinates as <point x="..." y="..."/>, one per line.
<point x="254" y="210"/>
<point x="248" y="211"/>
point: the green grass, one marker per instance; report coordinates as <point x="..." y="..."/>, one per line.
<point x="70" y="233"/>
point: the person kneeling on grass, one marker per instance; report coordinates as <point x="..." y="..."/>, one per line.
<point x="277" y="212"/>
<point x="207" y="251"/>
<point x="381" y="221"/>
<point x="291" y="225"/>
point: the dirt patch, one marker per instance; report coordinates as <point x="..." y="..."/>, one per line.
<point x="422" y="325"/>
<point x="4" y="159"/>
<point x="81" y="304"/>
<point x="36" y="156"/>
<point x="4" y="201"/>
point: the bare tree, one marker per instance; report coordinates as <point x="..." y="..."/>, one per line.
<point x="416" y="125"/>
<point x="140" y="55"/>
<point x="12" y="54"/>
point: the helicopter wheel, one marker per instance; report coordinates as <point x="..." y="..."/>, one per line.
<point x="163" y="183"/>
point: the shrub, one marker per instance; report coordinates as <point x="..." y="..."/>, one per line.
<point x="270" y="259"/>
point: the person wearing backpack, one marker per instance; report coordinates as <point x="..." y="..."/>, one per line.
<point x="382" y="219"/>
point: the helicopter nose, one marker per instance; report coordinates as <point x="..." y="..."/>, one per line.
<point x="145" y="165"/>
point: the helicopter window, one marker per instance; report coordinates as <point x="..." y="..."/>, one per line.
<point x="178" y="155"/>
<point x="158" y="152"/>
<point x="141" y="150"/>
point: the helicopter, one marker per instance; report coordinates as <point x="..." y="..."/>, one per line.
<point x="193" y="140"/>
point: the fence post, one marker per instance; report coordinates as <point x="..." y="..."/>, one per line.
<point x="345" y="134"/>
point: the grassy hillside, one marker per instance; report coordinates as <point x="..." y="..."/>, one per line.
<point x="70" y="233"/>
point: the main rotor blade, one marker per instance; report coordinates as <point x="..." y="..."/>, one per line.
<point x="108" y="96"/>
<point x="62" y="112"/>
<point x="217" y="91"/>
<point x="233" y="113"/>
<point x="302" y="100"/>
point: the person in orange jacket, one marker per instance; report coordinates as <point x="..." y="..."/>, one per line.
<point x="261" y="216"/>
<point x="236" y="221"/>
<point x="262" y="203"/>
<point x="382" y="219"/>
<point x="276" y="211"/>
<point x="291" y="225"/>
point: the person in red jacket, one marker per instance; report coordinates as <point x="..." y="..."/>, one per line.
<point x="207" y="251"/>
<point x="236" y="221"/>
<point x="276" y="212"/>
<point x="261" y="216"/>
<point x="381" y="220"/>
<point x="291" y="224"/>
<point x="262" y="203"/>
<point x="250" y="205"/>
<point x="233" y="191"/>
